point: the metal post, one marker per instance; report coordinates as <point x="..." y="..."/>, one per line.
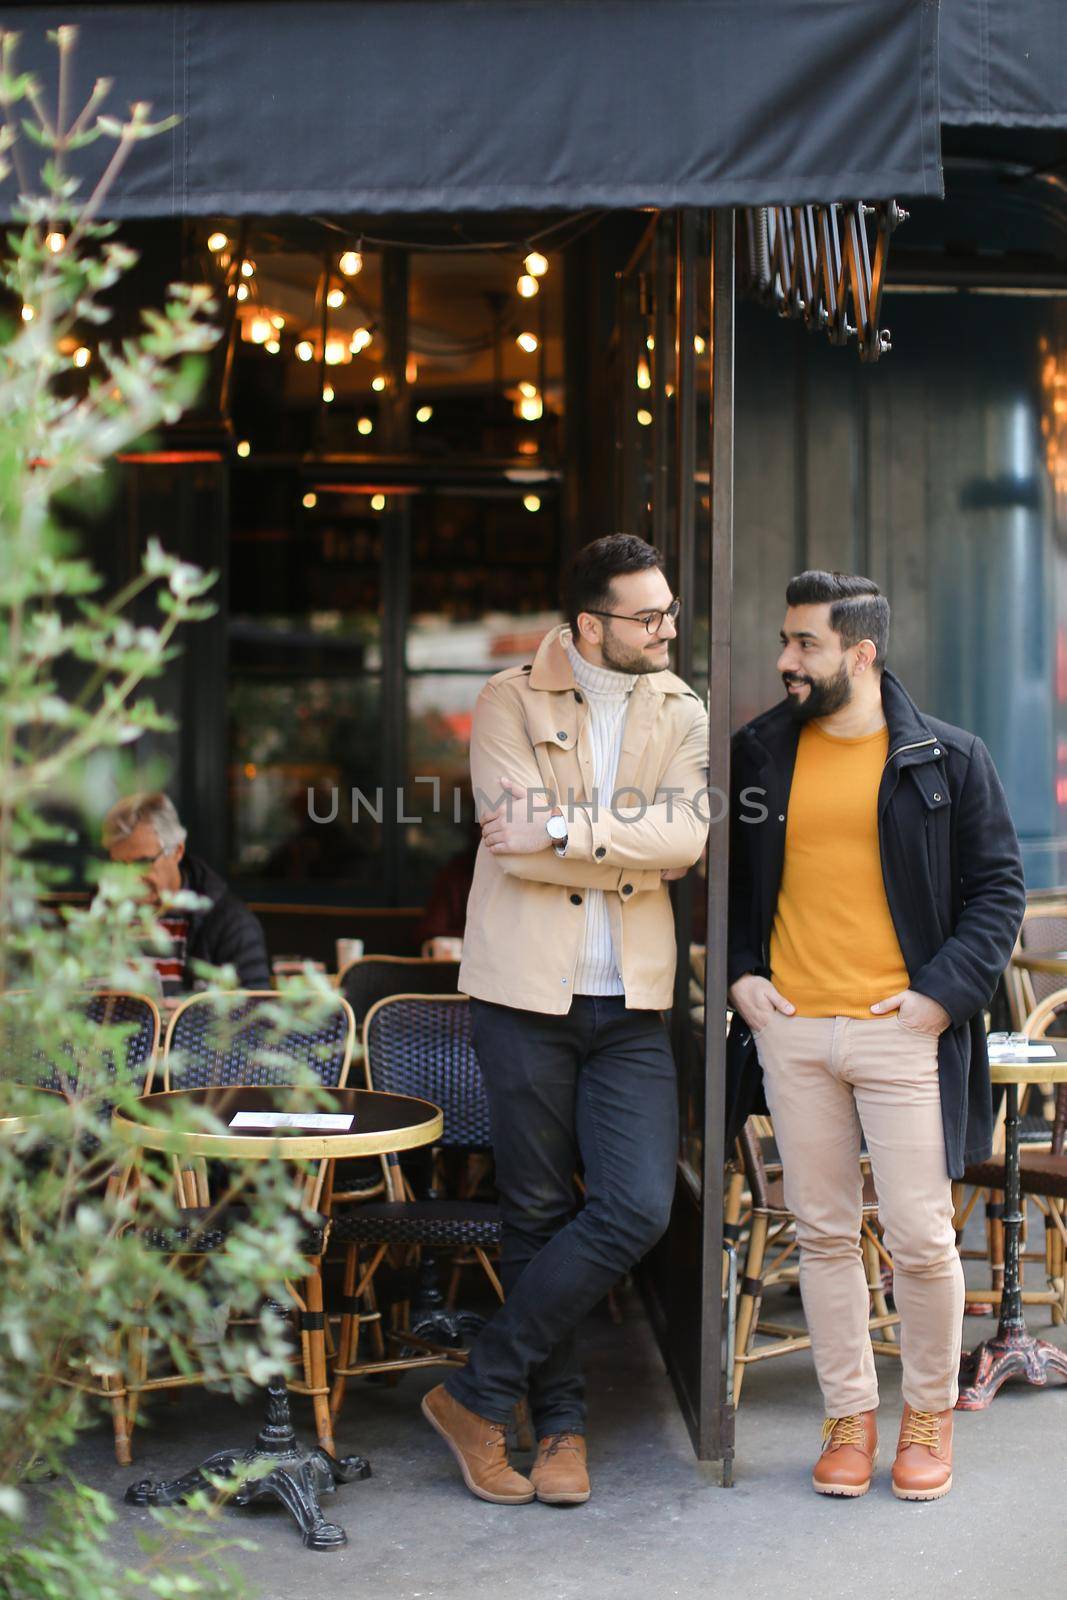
<point x="716" y="1431"/>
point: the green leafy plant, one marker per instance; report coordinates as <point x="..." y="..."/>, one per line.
<point x="76" y="1281"/>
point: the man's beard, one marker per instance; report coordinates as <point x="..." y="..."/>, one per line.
<point x="825" y="695"/>
<point x="621" y="659"/>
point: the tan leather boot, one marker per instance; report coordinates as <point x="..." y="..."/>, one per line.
<point x="559" y="1474"/>
<point x="849" y="1452"/>
<point x="480" y="1448"/>
<point x="923" y="1467"/>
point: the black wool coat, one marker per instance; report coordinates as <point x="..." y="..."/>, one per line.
<point x="227" y="933"/>
<point x="953" y="879"/>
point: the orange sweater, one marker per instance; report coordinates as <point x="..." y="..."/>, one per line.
<point x="834" y="950"/>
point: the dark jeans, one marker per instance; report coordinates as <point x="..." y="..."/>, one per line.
<point x="597" y="1085"/>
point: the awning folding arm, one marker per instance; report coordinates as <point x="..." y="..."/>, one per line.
<point x="824" y="265"/>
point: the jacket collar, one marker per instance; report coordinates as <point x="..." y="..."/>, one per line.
<point x="552" y="671"/>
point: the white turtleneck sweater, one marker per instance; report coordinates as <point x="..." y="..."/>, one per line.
<point x="607" y="694"/>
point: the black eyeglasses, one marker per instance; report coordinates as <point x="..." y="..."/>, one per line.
<point x="653" y="620"/>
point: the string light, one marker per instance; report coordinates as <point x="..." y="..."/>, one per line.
<point x="305" y="350"/>
<point x="216" y="242"/>
<point x="527" y="342"/>
<point x="424" y="413"/>
<point x="272" y="347"/>
<point x="377" y="383"/>
<point x="242" y="291"/>
<point x="532" y="502"/>
<point x="310" y="500"/>
<point x="527" y="390"/>
<point x="644" y="377"/>
<point x="700" y="344"/>
<point x="531" y="408"/>
<point x="527" y="447"/>
<point x="364" y="425"/>
<point x="527" y="286"/>
<point x="244" y="449"/>
<point x="360" y="340"/>
<point x="536" y="264"/>
<point x="259" y="330"/>
<point x="277" y="322"/>
<point x="411" y="370"/>
<point x="335" y="299"/>
<point x="351" y="263"/>
<point x="248" y="269"/>
<point x="650" y="342"/>
<point x="327" y="392"/>
<point x="82" y="356"/>
<point x="377" y="502"/>
<point x="644" y="418"/>
<point x="336" y="352"/>
<point x="55" y="241"/>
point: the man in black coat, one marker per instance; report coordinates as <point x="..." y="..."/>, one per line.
<point x="144" y="830"/>
<point x="876" y="892"/>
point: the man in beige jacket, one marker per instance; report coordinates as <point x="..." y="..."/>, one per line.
<point x="589" y="771"/>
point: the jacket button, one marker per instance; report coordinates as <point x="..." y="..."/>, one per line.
<point x="600" y="852"/>
<point x="627" y="888"/>
<point x="578" y="697"/>
<point x="576" y="899"/>
<point x="561" y="734"/>
<point x="936" y="795"/>
<point x="937" y="752"/>
<point x="781" y="816"/>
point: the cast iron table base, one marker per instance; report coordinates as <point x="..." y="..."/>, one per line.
<point x="1013" y="1352"/>
<point x="277" y="1466"/>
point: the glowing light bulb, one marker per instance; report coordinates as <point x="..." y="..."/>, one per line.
<point x="527" y="286"/>
<point x="650" y="342"/>
<point x="360" y="340"/>
<point x="28" y="313"/>
<point x="527" y="390"/>
<point x="424" y="413"/>
<point x="644" y="377"/>
<point x="527" y="342"/>
<point x="411" y="370"/>
<point x="378" y="383"/>
<point x="645" y="418"/>
<point x="351" y="263"/>
<point x="244" y="449"/>
<point x="272" y="347"/>
<point x="327" y="392"/>
<point x="82" y="356"/>
<point x="377" y="502"/>
<point x="364" y="425"/>
<point x="532" y="502"/>
<point x="55" y="241"/>
<point x="536" y="264"/>
<point x="335" y="299"/>
<point x="310" y="500"/>
<point x="335" y="352"/>
<point x="531" y="408"/>
<point x="248" y="269"/>
<point x="700" y="344"/>
<point x="527" y="447"/>
<point x="259" y="330"/>
<point x="305" y="350"/>
<point x="277" y="322"/>
<point x="242" y="291"/>
<point x="216" y="242"/>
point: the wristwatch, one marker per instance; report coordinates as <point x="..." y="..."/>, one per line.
<point x="556" y="828"/>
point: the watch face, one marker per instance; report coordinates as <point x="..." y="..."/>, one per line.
<point x="556" y="827"/>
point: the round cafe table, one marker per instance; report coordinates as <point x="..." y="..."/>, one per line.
<point x="277" y="1465"/>
<point x="33" y="1094"/>
<point x="1013" y="1352"/>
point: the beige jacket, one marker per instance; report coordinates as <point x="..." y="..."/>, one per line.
<point x="524" y="917"/>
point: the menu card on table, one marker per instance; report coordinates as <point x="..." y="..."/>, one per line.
<point x="306" y="1121"/>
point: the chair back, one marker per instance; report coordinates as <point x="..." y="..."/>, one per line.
<point x="257" y="1037"/>
<point x="369" y="979"/>
<point x="1044" y="931"/>
<point x="752" y="1160"/>
<point x="136" y="1014"/>
<point x="1037" y="1026"/>
<point x="421" y="1045"/>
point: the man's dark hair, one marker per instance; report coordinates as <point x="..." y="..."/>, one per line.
<point x="588" y="583"/>
<point x="858" y="608"/>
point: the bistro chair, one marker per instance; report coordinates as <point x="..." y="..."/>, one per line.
<point x="368" y="979"/>
<point x="772" y="1234"/>
<point x="417" y="1045"/>
<point x="232" y="1039"/>
<point x="1043" y="1176"/>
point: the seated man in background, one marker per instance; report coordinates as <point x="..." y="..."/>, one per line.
<point x="144" y="830"/>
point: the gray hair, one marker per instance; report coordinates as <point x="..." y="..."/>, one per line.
<point x="155" y="809"/>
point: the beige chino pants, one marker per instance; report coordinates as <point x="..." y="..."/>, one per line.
<point x="828" y="1078"/>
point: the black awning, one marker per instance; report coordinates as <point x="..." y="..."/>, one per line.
<point x="1004" y="63"/>
<point x="448" y="105"/>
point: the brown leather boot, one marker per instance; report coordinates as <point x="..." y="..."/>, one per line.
<point x="480" y="1448"/>
<point x="559" y="1474"/>
<point x="849" y="1452"/>
<point x="923" y="1467"/>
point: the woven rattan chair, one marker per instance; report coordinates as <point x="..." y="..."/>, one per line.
<point x="418" y="1045"/>
<point x="772" y="1231"/>
<point x="214" y="1040"/>
<point x="1043" y="1175"/>
<point x="369" y="979"/>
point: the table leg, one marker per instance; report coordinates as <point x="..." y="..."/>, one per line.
<point x="1013" y="1352"/>
<point x="277" y="1466"/>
